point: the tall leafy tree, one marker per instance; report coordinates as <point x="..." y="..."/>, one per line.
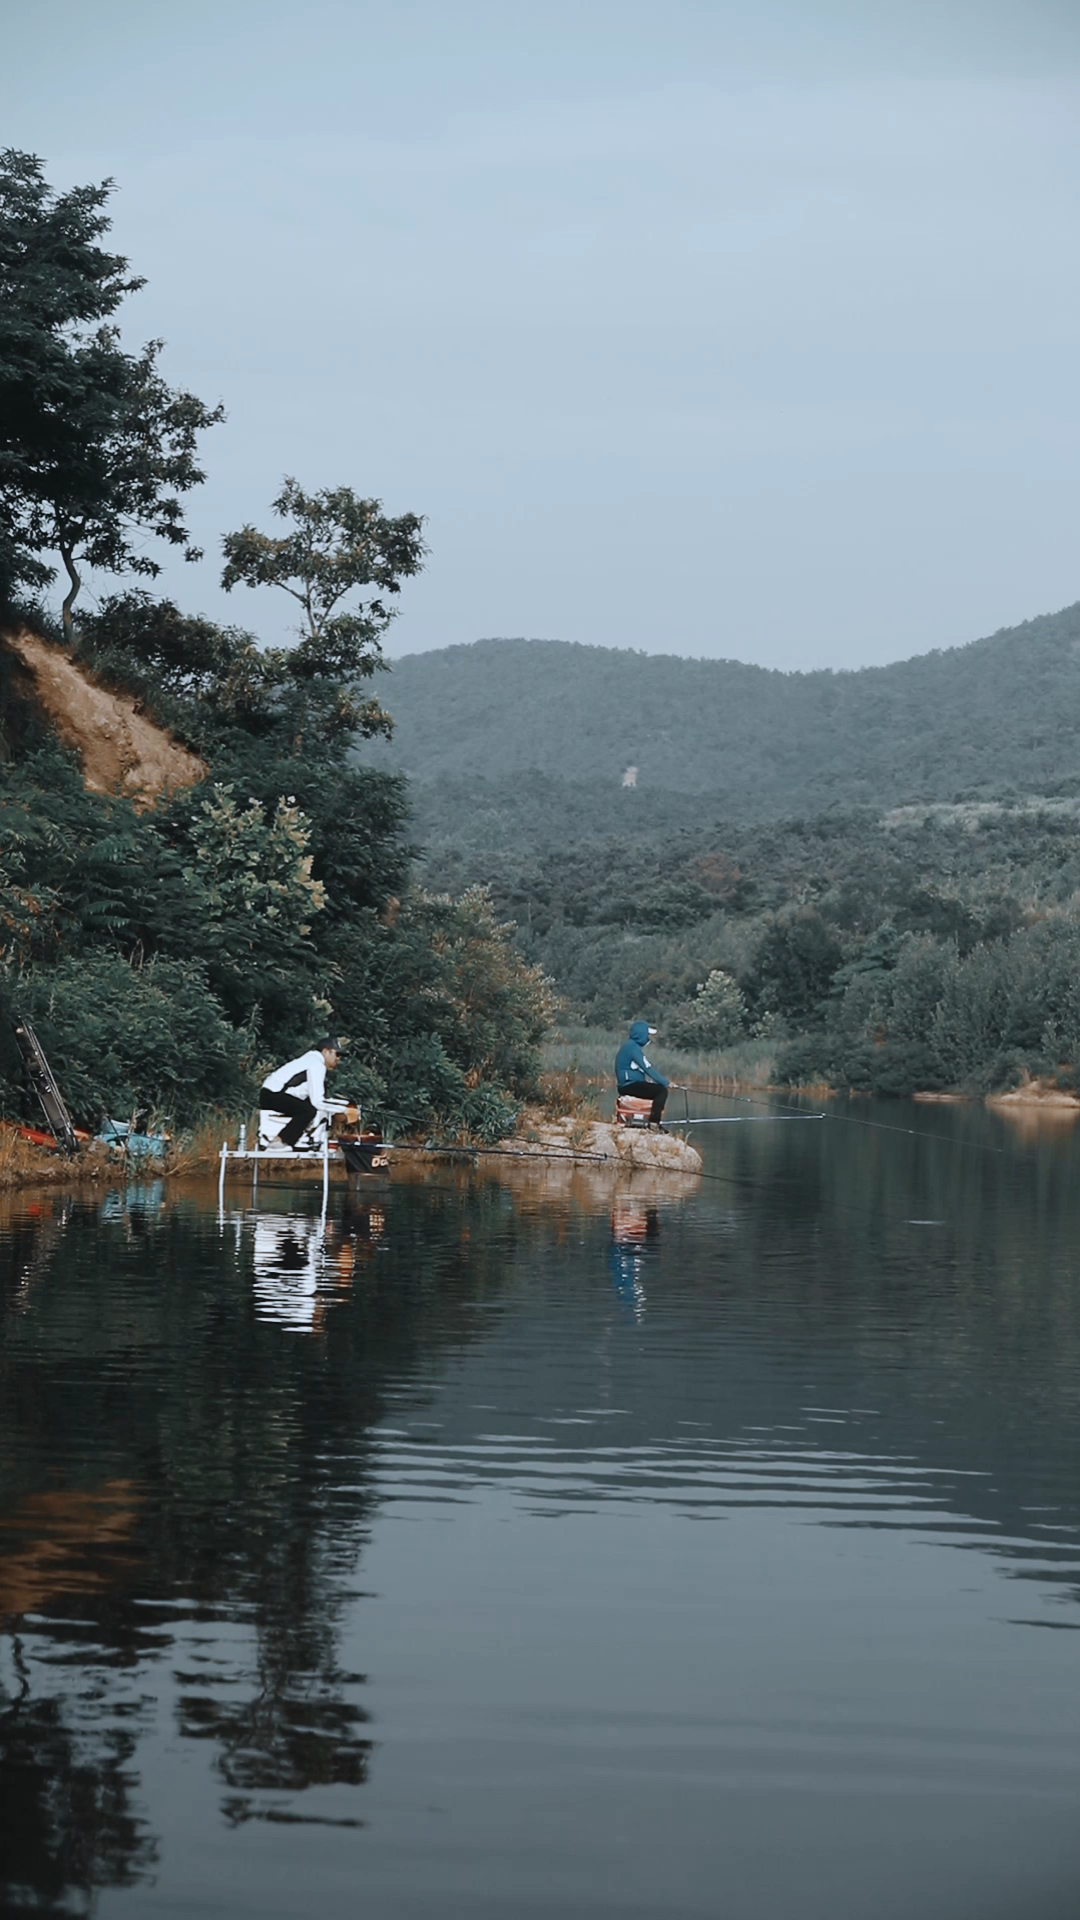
<point x="95" y="447"/>
<point x="336" y="547"/>
<point x="54" y="279"/>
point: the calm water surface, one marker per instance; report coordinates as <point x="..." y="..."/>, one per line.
<point x="517" y="1548"/>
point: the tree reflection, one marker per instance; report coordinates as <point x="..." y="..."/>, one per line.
<point x="66" y="1794"/>
<point x="66" y="1779"/>
<point x="213" y="1466"/>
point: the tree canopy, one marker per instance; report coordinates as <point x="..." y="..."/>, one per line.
<point x="337" y="546"/>
<point x="95" y="447"/>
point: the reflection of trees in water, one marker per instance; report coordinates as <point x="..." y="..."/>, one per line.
<point x="298" y="1728"/>
<point x="144" y="1354"/>
<point x="66" y="1799"/>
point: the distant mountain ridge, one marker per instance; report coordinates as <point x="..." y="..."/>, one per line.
<point x="998" y="713"/>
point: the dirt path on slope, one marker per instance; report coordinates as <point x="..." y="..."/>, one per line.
<point x="120" y="749"/>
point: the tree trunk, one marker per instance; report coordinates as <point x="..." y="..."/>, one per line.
<point x="68" y="558"/>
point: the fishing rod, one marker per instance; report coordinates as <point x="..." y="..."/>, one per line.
<point x="741" y="1119"/>
<point x="853" y="1120"/>
<point x="775" y="1107"/>
<point x="500" y="1153"/>
<point x="733" y="1119"/>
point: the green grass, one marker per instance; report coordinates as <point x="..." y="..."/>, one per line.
<point x="590" y="1053"/>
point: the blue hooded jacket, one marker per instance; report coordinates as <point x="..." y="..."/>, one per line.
<point x="631" y="1066"/>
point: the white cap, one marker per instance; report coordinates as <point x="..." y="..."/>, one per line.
<point x="652" y="1030"/>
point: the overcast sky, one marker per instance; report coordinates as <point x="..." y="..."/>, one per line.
<point x="720" y="327"/>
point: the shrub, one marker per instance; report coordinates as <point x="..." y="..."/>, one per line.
<point x="122" y="1038"/>
<point x="436" y="1000"/>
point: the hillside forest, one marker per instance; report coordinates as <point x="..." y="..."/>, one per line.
<point x="976" y="721"/>
<point x="934" y="946"/>
<point x="169" y="953"/>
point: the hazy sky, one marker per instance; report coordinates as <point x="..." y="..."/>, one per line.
<point x="742" y="329"/>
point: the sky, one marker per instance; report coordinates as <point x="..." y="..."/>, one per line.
<point x="714" y="328"/>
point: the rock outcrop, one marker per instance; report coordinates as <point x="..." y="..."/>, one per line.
<point x="626" y="1149"/>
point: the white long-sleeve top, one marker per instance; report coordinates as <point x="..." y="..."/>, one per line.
<point x="305" y="1075"/>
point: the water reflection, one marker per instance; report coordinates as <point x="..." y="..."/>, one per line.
<point x="634" y="1226"/>
<point x="287" y="1256"/>
<point x="301" y="1266"/>
<point x="199" y="1510"/>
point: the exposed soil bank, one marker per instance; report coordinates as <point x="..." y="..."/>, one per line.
<point x="120" y="749"/>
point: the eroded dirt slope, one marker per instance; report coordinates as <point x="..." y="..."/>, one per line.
<point x="120" y="749"/>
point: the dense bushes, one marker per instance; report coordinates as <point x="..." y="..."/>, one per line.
<point x="444" y="1014"/>
<point x="935" y="1017"/>
<point x="125" y="1038"/>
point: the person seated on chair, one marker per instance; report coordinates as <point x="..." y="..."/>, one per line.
<point x="298" y="1090"/>
<point x="636" y="1075"/>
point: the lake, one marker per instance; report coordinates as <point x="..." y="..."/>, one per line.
<point x="516" y="1546"/>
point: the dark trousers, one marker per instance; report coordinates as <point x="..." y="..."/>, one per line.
<point x="301" y="1113"/>
<point x="648" y="1090"/>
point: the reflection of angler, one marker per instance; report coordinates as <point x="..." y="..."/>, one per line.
<point x="287" y="1252"/>
<point x="634" y="1229"/>
<point x="361" y="1233"/>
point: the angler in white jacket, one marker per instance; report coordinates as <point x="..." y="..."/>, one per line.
<point x="297" y="1090"/>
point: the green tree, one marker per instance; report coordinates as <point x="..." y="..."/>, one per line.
<point x="716" y="1017"/>
<point x="254" y="900"/>
<point x="439" y="1004"/>
<point x="54" y="279"/>
<point x="96" y="448"/>
<point x="794" y="967"/>
<point x="337" y="545"/>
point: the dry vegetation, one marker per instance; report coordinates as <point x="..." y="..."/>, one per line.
<point x="582" y="1058"/>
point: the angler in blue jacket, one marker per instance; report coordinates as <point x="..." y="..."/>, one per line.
<point x="635" y="1074"/>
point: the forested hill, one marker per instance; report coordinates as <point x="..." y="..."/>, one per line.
<point x="1001" y="712"/>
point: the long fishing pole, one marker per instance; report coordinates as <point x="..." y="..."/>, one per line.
<point x="741" y="1119"/>
<point x="733" y="1119"/>
<point x="775" y="1106"/>
<point x="854" y="1120"/>
<point x="500" y="1153"/>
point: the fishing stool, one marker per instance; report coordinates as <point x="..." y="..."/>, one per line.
<point x="632" y="1111"/>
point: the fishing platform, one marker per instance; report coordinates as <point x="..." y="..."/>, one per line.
<point x="357" y="1151"/>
